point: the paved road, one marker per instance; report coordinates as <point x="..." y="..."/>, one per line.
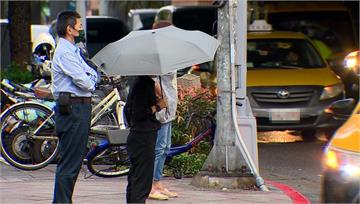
<point x="297" y="164"/>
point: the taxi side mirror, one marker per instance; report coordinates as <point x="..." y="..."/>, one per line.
<point x="342" y="107"/>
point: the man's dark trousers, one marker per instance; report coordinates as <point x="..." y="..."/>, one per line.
<point x="141" y="150"/>
<point x="73" y="131"/>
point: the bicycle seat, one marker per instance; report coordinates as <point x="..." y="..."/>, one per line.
<point x="43" y="93"/>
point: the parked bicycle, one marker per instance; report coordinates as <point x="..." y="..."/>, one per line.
<point x="109" y="158"/>
<point x="28" y="140"/>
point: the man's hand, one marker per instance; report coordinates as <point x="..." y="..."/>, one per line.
<point x="161" y="103"/>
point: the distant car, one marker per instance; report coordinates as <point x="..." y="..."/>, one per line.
<point x="141" y="19"/>
<point x="341" y="163"/>
<point x="100" y="31"/>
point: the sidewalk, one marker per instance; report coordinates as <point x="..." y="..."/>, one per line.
<point x="18" y="186"/>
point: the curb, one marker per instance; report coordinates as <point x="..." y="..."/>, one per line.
<point x="295" y="196"/>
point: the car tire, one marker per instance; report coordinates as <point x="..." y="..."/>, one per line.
<point x="309" y="135"/>
<point x="329" y="133"/>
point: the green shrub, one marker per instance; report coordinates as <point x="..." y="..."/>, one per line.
<point x="198" y="101"/>
<point x="201" y="102"/>
<point x="15" y="74"/>
<point x="188" y="164"/>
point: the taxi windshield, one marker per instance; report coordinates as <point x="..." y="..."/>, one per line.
<point x="282" y="54"/>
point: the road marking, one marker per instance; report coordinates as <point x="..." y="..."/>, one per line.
<point x="296" y="197"/>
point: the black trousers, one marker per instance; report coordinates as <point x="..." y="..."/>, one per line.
<point x="73" y="131"/>
<point x="141" y="151"/>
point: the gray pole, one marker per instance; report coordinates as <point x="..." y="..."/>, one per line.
<point x="230" y="164"/>
<point x="245" y="123"/>
<point x="81" y="9"/>
<point x="224" y="167"/>
<point x="104" y="8"/>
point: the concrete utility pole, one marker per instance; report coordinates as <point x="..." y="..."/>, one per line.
<point x="81" y="9"/>
<point x="224" y="166"/>
<point x="230" y="164"/>
<point x="104" y="8"/>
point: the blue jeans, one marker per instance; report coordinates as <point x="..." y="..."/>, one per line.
<point x="163" y="144"/>
<point x="73" y="131"/>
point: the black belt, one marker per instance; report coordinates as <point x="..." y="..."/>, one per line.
<point x="86" y="100"/>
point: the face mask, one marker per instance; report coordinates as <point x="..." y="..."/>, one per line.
<point x="81" y="37"/>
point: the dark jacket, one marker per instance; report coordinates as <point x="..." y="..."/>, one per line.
<point x="138" y="106"/>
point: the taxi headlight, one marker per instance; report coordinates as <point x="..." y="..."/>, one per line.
<point x="332" y="91"/>
<point x="352" y="61"/>
<point x="347" y="163"/>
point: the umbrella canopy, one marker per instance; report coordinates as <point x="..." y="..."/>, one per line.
<point x="156" y="52"/>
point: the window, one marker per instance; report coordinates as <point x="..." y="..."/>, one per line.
<point x="282" y="53"/>
<point x="203" y="19"/>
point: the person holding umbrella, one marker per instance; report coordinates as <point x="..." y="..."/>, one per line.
<point x="167" y="85"/>
<point x="155" y="52"/>
<point x="140" y="110"/>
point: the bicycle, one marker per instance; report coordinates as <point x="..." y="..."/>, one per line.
<point x="28" y="140"/>
<point x="101" y="161"/>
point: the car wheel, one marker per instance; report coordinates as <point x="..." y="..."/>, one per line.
<point x="329" y="133"/>
<point x="308" y="135"/>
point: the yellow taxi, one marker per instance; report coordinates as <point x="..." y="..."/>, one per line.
<point x="341" y="174"/>
<point x="289" y="83"/>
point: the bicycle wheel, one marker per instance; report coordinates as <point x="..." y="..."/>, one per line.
<point x="19" y="145"/>
<point x="111" y="162"/>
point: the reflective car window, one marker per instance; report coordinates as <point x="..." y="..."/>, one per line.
<point x="282" y="53"/>
<point x="147" y="20"/>
<point x="203" y="19"/>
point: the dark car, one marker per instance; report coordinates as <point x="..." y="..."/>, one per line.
<point x="100" y="31"/>
<point x="202" y="18"/>
<point x="141" y="19"/>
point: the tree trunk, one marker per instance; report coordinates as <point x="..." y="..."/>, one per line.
<point x="19" y="26"/>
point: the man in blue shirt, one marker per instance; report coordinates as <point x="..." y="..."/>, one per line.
<point x="71" y="77"/>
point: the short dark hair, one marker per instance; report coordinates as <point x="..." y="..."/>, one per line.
<point x="64" y="19"/>
<point x="161" y="24"/>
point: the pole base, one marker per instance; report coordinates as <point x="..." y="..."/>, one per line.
<point x="209" y="180"/>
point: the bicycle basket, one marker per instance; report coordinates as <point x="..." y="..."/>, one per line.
<point x="118" y="136"/>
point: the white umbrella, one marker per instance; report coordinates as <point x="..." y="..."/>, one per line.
<point x="156" y="52"/>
